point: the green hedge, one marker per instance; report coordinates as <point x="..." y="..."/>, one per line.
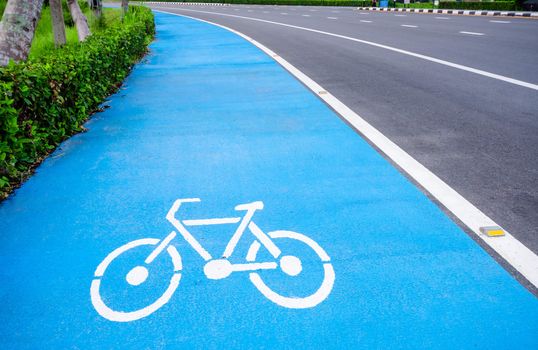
<point x="45" y="100"/>
<point x="497" y="5"/>
<point x="355" y="3"/>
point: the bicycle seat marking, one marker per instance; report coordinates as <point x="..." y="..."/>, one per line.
<point x="216" y="268"/>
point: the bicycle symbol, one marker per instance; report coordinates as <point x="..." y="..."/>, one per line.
<point x="216" y="268"/>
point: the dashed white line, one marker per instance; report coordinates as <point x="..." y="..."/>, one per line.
<point x="471" y="33"/>
<point x="365" y="21"/>
<point x="306" y="15"/>
<point x="408" y="25"/>
<point x="400" y="15"/>
<point x="442" y="18"/>
<point x="363" y="13"/>
<point x="283" y="13"/>
<point x="513" y="251"/>
<point x="332" y="17"/>
<point x="493" y="21"/>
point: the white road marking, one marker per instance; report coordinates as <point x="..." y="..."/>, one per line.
<point x="363" y="13"/>
<point x="471" y="33"/>
<point x="374" y="44"/>
<point x="493" y="21"/>
<point x="508" y="247"/>
<point x="306" y="15"/>
<point x="283" y="13"/>
<point x="365" y="21"/>
<point x="400" y="15"/>
<point x="408" y="26"/>
<point x="332" y="17"/>
<point x="442" y="18"/>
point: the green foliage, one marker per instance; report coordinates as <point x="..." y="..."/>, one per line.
<point x="491" y="6"/>
<point x="46" y="99"/>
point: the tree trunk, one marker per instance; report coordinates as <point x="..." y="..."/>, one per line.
<point x="58" y="25"/>
<point x="97" y="7"/>
<point x="125" y="6"/>
<point x="17" y="29"/>
<point x="80" y="20"/>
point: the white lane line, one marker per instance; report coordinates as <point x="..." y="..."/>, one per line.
<point x="332" y="17"/>
<point x="381" y="46"/>
<point x="471" y="33"/>
<point x="442" y="18"/>
<point x="514" y="252"/>
<point x="400" y="15"/>
<point x="306" y="15"/>
<point x="493" y="21"/>
<point x="365" y="21"/>
<point x="408" y="26"/>
<point x="283" y="13"/>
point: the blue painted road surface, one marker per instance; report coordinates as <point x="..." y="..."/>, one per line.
<point x="330" y="246"/>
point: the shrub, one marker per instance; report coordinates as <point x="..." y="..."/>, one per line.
<point x="45" y="100"/>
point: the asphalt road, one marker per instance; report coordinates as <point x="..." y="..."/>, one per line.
<point x="477" y="133"/>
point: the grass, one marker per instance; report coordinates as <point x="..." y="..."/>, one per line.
<point x="44" y="37"/>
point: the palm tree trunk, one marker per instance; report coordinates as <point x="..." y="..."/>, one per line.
<point x="125" y="6"/>
<point x="80" y="20"/>
<point x="17" y="29"/>
<point x="58" y="25"/>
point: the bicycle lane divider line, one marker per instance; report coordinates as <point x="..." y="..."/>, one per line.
<point x="216" y="120"/>
<point x="508" y="247"/>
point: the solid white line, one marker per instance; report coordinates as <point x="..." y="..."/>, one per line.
<point x="365" y="21"/>
<point x="471" y="33"/>
<point x="332" y="17"/>
<point x="408" y="26"/>
<point x="493" y="21"/>
<point x="381" y="46"/>
<point x="508" y="247"/>
<point x="442" y="18"/>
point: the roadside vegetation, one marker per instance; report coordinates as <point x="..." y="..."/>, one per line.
<point x="48" y="97"/>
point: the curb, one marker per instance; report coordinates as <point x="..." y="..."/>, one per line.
<point x="453" y="12"/>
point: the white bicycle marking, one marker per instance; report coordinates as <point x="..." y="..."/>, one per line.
<point x="216" y="268"/>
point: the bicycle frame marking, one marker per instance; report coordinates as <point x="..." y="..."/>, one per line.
<point x="245" y="221"/>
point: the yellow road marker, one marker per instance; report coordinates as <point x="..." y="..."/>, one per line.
<point x="492" y="231"/>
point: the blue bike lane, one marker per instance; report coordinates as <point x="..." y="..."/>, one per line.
<point x="208" y="115"/>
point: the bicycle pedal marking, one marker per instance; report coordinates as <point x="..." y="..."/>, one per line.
<point x="216" y="268"/>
